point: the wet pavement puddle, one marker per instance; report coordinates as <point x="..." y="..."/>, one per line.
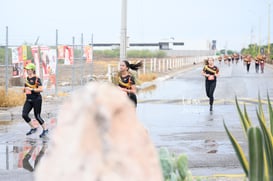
<point x="18" y="151"/>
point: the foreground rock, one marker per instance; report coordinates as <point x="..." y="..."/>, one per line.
<point x="98" y="138"/>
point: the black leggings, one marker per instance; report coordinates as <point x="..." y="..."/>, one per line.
<point x="133" y="98"/>
<point x="247" y="67"/>
<point x="210" y="87"/>
<point x="36" y="104"/>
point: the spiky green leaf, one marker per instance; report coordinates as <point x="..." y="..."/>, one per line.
<point x="244" y="122"/>
<point x="268" y="145"/>
<point x="255" y="148"/>
<point x="238" y="150"/>
<point x="261" y="112"/>
<point x="247" y="117"/>
<point x="270" y="113"/>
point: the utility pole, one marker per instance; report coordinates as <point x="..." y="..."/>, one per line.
<point x="268" y="47"/>
<point x="259" y="45"/>
<point x="73" y="68"/>
<point x="82" y="60"/>
<point x="56" y="71"/>
<point x="92" y="49"/>
<point x="123" y="32"/>
<point x="7" y="58"/>
<point x="252" y="44"/>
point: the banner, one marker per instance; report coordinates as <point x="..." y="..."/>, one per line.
<point x="66" y="53"/>
<point x="88" y="53"/>
<point x="52" y="61"/>
<point x="17" y="61"/>
<point x="45" y="63"/>
<point x="24" y="52"/>
<point x="35" y="54"/>
<point x="52" y="68"/>
<point x="61" y="52"/>
<point x="48" y="58"/>
<point x="14" y="55"/>
<point x="20" y="53"/>
<point x="45" y="59"/>
<point x="17" y="69"/>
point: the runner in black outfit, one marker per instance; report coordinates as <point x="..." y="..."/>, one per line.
<point x="247" y="61"/>
<point x="126" y="80"/>
<point x="32" y="89"/>
<point x="210" y="71"/>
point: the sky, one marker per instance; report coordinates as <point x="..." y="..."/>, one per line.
<point x="232" y="23"/>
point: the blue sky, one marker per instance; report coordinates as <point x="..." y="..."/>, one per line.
<point x="195" y="22"/>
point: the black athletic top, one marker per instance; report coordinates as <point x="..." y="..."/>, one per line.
<point x="211" y="71"/>
<point x="126" y="82"/>
<point x="33" y="83"/>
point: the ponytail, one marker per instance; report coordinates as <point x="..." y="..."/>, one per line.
<point x="135" y="66"/>
<point x="206" y="61"/>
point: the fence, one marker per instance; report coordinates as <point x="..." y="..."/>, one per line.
<point x="79" y="73"/>
<point x="161" y="65"/>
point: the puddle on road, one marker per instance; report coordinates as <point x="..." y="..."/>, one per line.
<point x="26" y="155"/>
<point x="18" y="151"/>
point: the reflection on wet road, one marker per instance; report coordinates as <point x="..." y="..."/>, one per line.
<point x="20" y="153"/>
<point x="25" y="155"/>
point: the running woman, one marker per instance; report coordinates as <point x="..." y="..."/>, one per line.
<point x="33" y="88"/>
<point x="211" y="72"/>
<point x="126" y="80"/>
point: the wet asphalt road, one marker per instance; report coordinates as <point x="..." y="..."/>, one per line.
<point x="176" y="113"/>
<point x="177" y="116"/>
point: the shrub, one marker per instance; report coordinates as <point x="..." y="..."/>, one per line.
<point x="12" y="98"/>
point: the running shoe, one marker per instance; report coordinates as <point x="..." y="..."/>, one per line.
<point x="44" y="133"/>
<point x="31" y="131"/>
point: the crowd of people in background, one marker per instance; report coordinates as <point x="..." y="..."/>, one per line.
<point x="259" y="61"/>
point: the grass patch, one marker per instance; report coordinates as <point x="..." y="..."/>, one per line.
<point x="62" y="94"/>
<point x="147" y="77"/>
<point x="139" y="78"/>
<point x="12" y="98"/>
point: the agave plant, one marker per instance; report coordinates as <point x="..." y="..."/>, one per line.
<point x="259" y="165"/>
